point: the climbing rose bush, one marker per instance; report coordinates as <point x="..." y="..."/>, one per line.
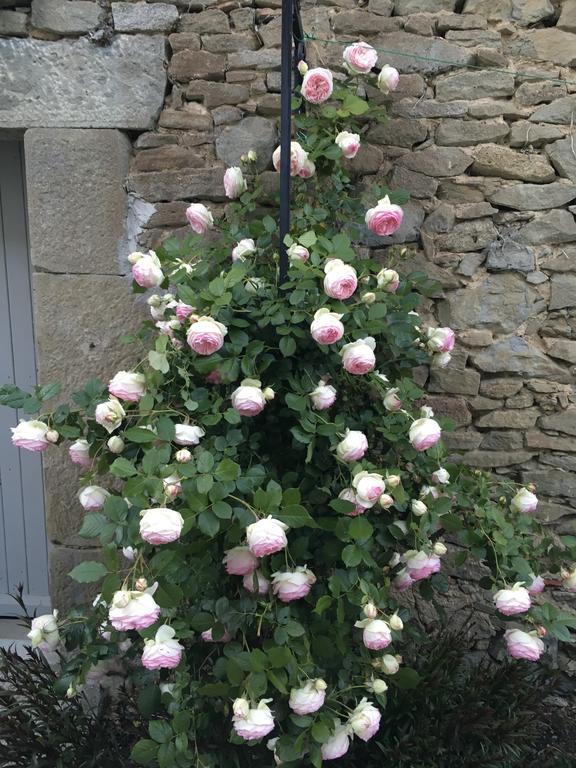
<point x="268" y="482"/>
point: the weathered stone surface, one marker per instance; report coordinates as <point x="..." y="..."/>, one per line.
<point x="194" y="117"/>
<point x="160" y="158"/>
<point x="211" y="21"/>
<point x="437" y="161"/>
<point x="417" y="184"/>
<point x="509" y="419"/>
<point x="462" y="440"/>
<point x="413" y="108"/>
<point x="465" y="133"/>
<point x="487" y="108"/>
<point x="76" y="226"/>
<point x="534" y="197"/>
<point x="468" y="236"/>
<point x="361" y="23"/>
<point x="516" y="355"/>
<point x="38" y="80"/>
<point x="561" y="154"/>
<point x="13" y="23"/>
<point x="188" y="183"/>
<point x="253" y="132"/>
<point x="561" y="349"/>
<point x="215" y="94"/>
<point x="179" y="41"/>
<point x="492" y="160"/>
<point x="441" y="219"/>
<point x="447" y="21"/>
<point x="567" y="20"/>
<point x="502" y="441"/>
<point x="454" y="408"/>
<point x="143" y="17"/>
<point x="563" y="422"/>
<point x="189" y="65"/>
<point x="535" y="439"/>
<point x="524" y="134"/>
<point x="562" y="291"/>
<point x="554" y="227"/>
<point x="66" y="17"/>
<point x="560" y="112"/>
<point x="506" y="254"/>
<point x="552" y="482"/>
<point x="474" y="85"/>
<point x="474" y="211"/>
<point x="405" y="7"/>
<point x="465" y="382"/>
<point x="500" y="387"/>
<point x="436" y="54"/>
<point x="368" y="160"/>
<point x="529" y="94"/>
<point x="475" y="338"/>
<point x="488" y="38"/>
<point x="258" y="60"/>
<point x="398" y="132"/>
<point x="66" y="592"/>
<point x="504" y="458"/>
<point x="565" y="261"/>
<point x="226" y="43"/>
<point x="550" y="44"/>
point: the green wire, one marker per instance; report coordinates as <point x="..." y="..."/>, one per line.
<point x="527" y="75"/>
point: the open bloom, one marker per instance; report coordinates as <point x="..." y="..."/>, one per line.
<point x="309" y="698"/>
<point x="424" y="433"/>
<point x="188" y="434"/>
<point x="323" y="396"/>
<point x="206" y="335"/>
<point x="385" y="218"/>
<point x="376" y="635"/>
<point x="252" y="722"/>
<point x="240" y="561"/>
<point x="93" y="497"/>
<point x="292" y="585"/>
<point x="298" y="253"/>
<point x="79" y="452"/>
<point x="109" y="414"/>
<point x="388" y="79"/>
<point x="353" y="446"/>
<point x="162" y="652"/>
<point x="31" y="435"/>
<point x="249" y="399"/>
<point x="388" y="279"/>
<point x="349" y="143"/>
<point x="44" y="632"/>
<point x="256" y="582"/>
<point x="199" y="218"/>
<point x="234" y="182"/>
<point x="514" y="600"/>
<point x="369" y="486"/>
<point x="133" y="610"/>
<point x="298" y="157"/>
<point x="421" y="565"/>
<point x="317" y="85"/>
<point x="160" y="525"/>
<point x="326" y="328"/>
<point x="358" y="356"/>
<point x="128" y="386"/>
<point x="440" y="339"/>
<point x="338" y="743"/>
<point x="341" y="279"/>
<point x="523" y="645"/>
<point x="524" y="501"/>
<point x="266" y="536"/>
<point x="360" y="58"/>
<point x="243" y="249"/>
<point x="146" y="269"/>
<point x="365" y="720"/>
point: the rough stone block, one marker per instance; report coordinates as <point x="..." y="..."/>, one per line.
<point x="215" y="94"/>
<point x="454" y="408"/>
<point x="13" y="24"/>
<point x="169" y="157"/>
<point x="560" y="112"/>
<point x="474" y="85"/>
<point x="500" y="387"/>
<point x="466" y="133"/>
<point x="212" y="21"/>
<point x="534" y="197"/>
<point x="529" y="94"/>
<point x="225" y="43"/>
<point x="481" y="404"/>
<point x="381" y="7"/>
<point x="180" y="41"/>
<point x="253" y="132"/>
<point x="562" y="291"/>
<point x="466" y="382"/>
<point x="417" y="184"/>
<point x="399" y="132"/>
<point x="468" y="236"/>
<point x="516" y="355"/>
<point x="567" y="20"/>
<point x="462" y="440"/>
<point x="189" y="65"/>
<point x="522" y="419"/>
<point x="526" y="134"/>
<point x="67" y="593"/>
<point x="552" y="482"/>
<point x="143" y="17"/>
<point x="492" y="160"/>
<point x="502" y="441"/>
<point x="437" y="161"/>
<point x="490" y="459"/>
<point x="447" y="21"/>
<point x="37" y="79"/>
<point x="506" y="254"/>
<point x="182" y="183"/>
<point x="257" y="60"/>
<point x="435" y="54"/>
<point x="564" y="422"/>
<point x="194" y="117"/>
<point x="550" y="44"/>
<point x="561" y="349"/>
<point x="361" y="23"/>
<point x="66" y="17"/>
<point x="76" y="199"/>
<point x="554" y="227"/>
<point x="561" y="154"/>
<point x="414" y="108"/>
<point x="535" y="439"/>
<point x="405" y="7"/>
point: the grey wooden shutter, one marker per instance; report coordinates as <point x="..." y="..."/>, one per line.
<point x="23" y="545"/>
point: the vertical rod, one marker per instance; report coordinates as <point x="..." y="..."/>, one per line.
<point x="285" y="132"/>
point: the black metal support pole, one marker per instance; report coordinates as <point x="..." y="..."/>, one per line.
<point x="285" y="131"/>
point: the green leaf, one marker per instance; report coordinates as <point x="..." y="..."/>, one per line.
<point x="160" y="731"/>
<point x="144" y="752"/>
<point x="140" y="435"/>
<point x="165" y="428"/>
<point x="88" y="571"/>
<point x="296" y="517"/>
<point x="149" y="701"/>
<point x="406" y="678"/>
<point x="92" y="525"/>
<point x="342" y="506"/>
<point x="208" y="523"/>
<point x="121" y="467"/>
<point x="351" y="556"/>
<point x="360" y="529"/>
<point x="158" y="361"/>
<point x="287" y="346"/>
<point x="296" y="402"/>
<point x="308" y="239"/>
<point x="323" y="604"/>
<point x="227" y="470"/>
<point x="205" y="462"/>
<point x="451" y="523"/>
<point x="48" y="391"/>
<point x="320" y="732"/>
<point x="222" y="510"/>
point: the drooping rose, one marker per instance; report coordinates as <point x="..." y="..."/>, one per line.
<point x="360" y="58"/>
<point x="172" y="486"/>
<point x="79" y="453"/>
<point x="266" y="536"/>
<point x="308" y="169"/>
<point x="441" y="476"/>
<point x="298" y="157"/>
<point x="323" y="396"/>
<point x="353" y="446"/>
<point x="206" y="336"/>
<point x="424" y="433"/>
<point x="389" y="664"/>
<point x="109" y="414"/>
<point x="358" y="357"/>
<point x="292" y="585"/>
<point x="240" y="561"/>
<point x="365" y="720"/>
<point x="262" y="584"/>
<point x="348" y="494"/>
<point x="341" y="279"/>
<point x="511" y="601"/>
<point x="369" y="486"/>
<point x="298" y="253"/>
<point x="349" y="143"/>
<point x="146" y="269"/>
<point x="337" y="744"/>
<point x="160" y="525"/>
<point x="183" y="311"/>
<point x="31" y="435"/>
<point x="317" y="85"/>
<point x="309" y="698"/>
<point x="440" y="339"/>
<point x="234" y="182"/>
<point x="385" y="218"/>
<point x="326" y="328"/>
<point x="199" y="218"/>
<point x="93" y="497"/>
<point x="421" y="565"/>
<point x="133" y="610"/>
<point x="243" y="249"/>
<point x="164" y="651"/>
<point x="252" y="722"/>
<point x="249" y="399"/>
<point x="388" y="279"/>
<point x="128" y="386"/>
<point x="44" y="632"/>
<point x="523" y="645"/>
<point x="391" y="400"/>
<point x="388" y="79"/>
<point x="376" y="634"/>
<point x="188" y="434"/>
<point x="402" y="581"/>
<point x="524" y="501"/>
<point x="536" y="586"/>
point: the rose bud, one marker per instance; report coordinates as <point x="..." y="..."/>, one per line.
<point x="370" y="611"/>
<point x="439" y="548"/>
<point x="418" y="507"/>
<point x="183" y="456"/>
<point x="368" y="298"/>
<point x="115" y="444"/>
<point x="353" y="446"/>
<point x="109" y="414"/>
<point x="172" y="486"/>
<point x="302" y="67"/>
<point x="391" y="400"/>
<point x="440" y="339"/>
<point x="93" y="497"/>
<point x="341" y="279"/>
<point x="298" y="253"/>
<point x="393" y="481"/>
<point x="523" y="645"/>
<point x="239" y="561"/>
<point x="377" y="686"/>
<point x="234" y="182"/>
<point x="386" y="501"/>
<point x="388" y="279"/>
<point x="317" y="85"/>
<point x="388" y="79"/>
<point x="358" y="356"/>
<point x="44" y="632"/>
<point x="79" y="453"/>
<point x="206" y="336"/>
<point x="164" y="651"/>
<point x="389" y="664"/>
<point x="292" y="585"/>
<point x="266" y="536"/>
<point x="309" y="698"/>
<point x="524" y="501"/>
<point x="365" y="720"/>
<point x="199" y="218"/>
<point x="441" y="476"/>
<point x="514" y="600"/>
<point x="396" y="622"/>
<point x="326" y="327"/>
<point x="349" y="144"/>
<point x="376" y="635"/>
<point x="160" y="525"/>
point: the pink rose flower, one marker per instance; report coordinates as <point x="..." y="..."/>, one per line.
<point x="309" y="698"/>
<point x="376" y="635"/>
<point x="353" y="446"/>
<point x="234" y="182"/>
<point x="292" y="585"/>
<point x="128" y="386"/>
<point x="341" y="279"/>
<point x="164" y="651"/>
<point x="133" y="610"/>
<point x="160" y="525"/>
<point x="421" y="565"/>
<point x="441" y="476"/>
<point x="514" y="600"/>
<point x="249" y="399"/>
<point x="31" y="435"/>
<point x="385" y="218"/>
<point x="440" y="339"/>
<point x="358" y="357"/>
<point x="524" y="501"/>
<point x="317" y="85"/>
<point x="183" y="311"/>
<point x="262" y="583"/>
<point x="298" y="253"/>
<point x="388" y="79"/>
<point x="424" y="433"/>
<point x="93" y="497"/>
<point x="79" y="453"/>
<point x="146" y="269"/>
<point x="226" y="637"/>
<point x="349" y="143"/>
<point x="338" y="743"/>
<point x="365" y="720"/>
<point x="523" y="645"/>
<point x="172" y="486"/>
<point x="388" y="279"/>
<point x="188" y="434"/>
<point x="298" y="158"/>
<point x="348" y="495"/>
<point x="252" y="722"/>
<point x="536" y="586"/>
<point x="369" y="486"/>
<point x="239" y="561"/>
<point x="360" y="58"/>
<point x="199" y="218"/>
<point x="109" y="414"/>
<point x="206" y="336"/>
<point x="323" y="396"/>
<point x="326" y="328"/>
<point x="214" y="377"/>
<point x="266" y="536"/>
<point x="402" y="581"/>
<point x="391" y="400"/>
<point x="308" y="169"/>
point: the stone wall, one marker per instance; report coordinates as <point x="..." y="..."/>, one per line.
<point x="480" y="133"/>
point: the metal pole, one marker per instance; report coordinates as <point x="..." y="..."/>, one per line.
<point x="285" y="131"/>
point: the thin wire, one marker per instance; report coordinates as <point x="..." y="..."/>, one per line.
<point x="392" y="52"/>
